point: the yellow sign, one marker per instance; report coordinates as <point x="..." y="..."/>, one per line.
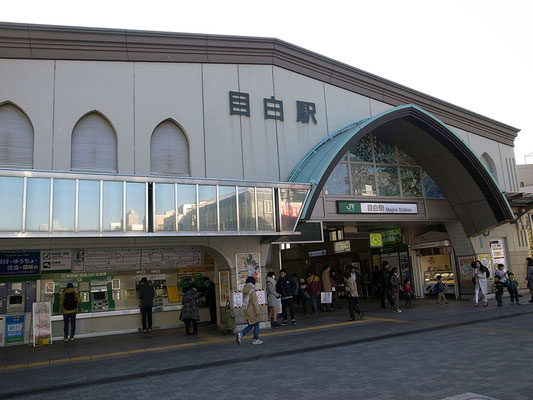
<point x="173" y="295"/>
<point x="484" y="259"/>
<point x="376" y="240"/>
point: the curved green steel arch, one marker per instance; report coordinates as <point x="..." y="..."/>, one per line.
<point x="470" y="188"/>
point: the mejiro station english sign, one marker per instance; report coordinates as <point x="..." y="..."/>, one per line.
<point x="356" y="207"/>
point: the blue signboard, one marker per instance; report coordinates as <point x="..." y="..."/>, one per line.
<point x="19" y="262"/>
<point x="14" y="328"/>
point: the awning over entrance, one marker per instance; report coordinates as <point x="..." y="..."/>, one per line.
<point x="522" y="202"/>
<point x="470" y="188"/>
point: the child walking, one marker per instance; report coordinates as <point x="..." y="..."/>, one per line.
<point x="408" y="292"/>
<point x="498" y="289"/>
<point x="439" y="290"/>
<point x="512" y="287"/>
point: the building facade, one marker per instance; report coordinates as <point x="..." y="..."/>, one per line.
<point x="126" y="154"/>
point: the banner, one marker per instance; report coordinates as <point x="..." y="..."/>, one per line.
<point x="19" y="262"/>
<point x="42" y="323"/>
<point x="248" y="264"/>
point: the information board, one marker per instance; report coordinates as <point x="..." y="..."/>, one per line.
<point x="14" y="329"/>
<point x="53" y="260"/>
<point x="19" y="262"/>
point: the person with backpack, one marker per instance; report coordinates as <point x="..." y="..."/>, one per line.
<point x="146" y="302"/>
<point x="479" y="278"/>
<point x="189" y="312"/>
<point x="251" y="311"/>
<point x="68" y="302"/>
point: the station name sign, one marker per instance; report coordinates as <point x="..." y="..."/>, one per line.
<point x="356" y="207"/>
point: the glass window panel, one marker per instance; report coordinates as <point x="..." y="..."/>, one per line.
<point x="135" y="206"/>
<point x="362" y="150"/>
<point x="11" y="197"/>
<point x="89" y="206"/>
<point x="431" y="189"/>
<point x="388" y="184"/>
<point x="384" y="152"/>
<point x="38" y="205"/>
<point x="265" y="209"/>
<point x="112" y="207"/>
<point x="338" y="181"/>
<point x="207" y="202"/>
<point x="64" y="205"/>
<point x="363" y="182"/>
<point x="411" y="182"/>
<point x="404" y="159"/>
<point x="165" y="204"/>
<point x="187" y="208"/>
<point x="228" y="208"/>
<point x="291" y="203"/>
<point x="246" y="209"/>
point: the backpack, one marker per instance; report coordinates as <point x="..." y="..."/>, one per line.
<point x="246" y="301"/>
<point x="69" y="301"/>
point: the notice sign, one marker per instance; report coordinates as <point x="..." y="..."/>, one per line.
<point x="19" y="262"/>
<point x="56" y="260"/>
<point x="14" y="328"/>
<point x="356" y="207"/>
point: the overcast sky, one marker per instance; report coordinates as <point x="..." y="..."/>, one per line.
<point x="477" y="54"/>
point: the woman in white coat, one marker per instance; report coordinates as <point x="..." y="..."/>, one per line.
<point x="479" y="276"/>
<point x="272" y="299"/>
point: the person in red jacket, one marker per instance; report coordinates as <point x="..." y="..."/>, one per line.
<point x="408" y="292"/>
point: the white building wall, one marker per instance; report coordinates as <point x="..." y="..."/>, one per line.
<point x="164" y="91"/>
<point x="30" y="85"/>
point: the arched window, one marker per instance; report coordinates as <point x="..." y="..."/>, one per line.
<point x="169" y="150"/>
<point x="487" y="161"/>
<point x="16" y="138"/>
<point x="94" y="145"/>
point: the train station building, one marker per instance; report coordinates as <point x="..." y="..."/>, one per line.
<point x="126" y="154"/>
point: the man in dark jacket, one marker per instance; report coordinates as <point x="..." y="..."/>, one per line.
<point x="146" y="300"/>
<point x="286" y="287"/>
<point x="384" y="275"/>
<point x="211" y="299"/>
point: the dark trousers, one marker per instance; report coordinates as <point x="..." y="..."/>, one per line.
<point x="146" y="314"/>
<point x="408" y="299"/>
<point x="304" y="299"/>
<point x="514" y="295"/>
<point x="314" y="303"/>
<point x="499" y="298"/>
<point x="72" y="319"/>
<point x="353" y="306"/>
<point x="384" y="294"/>
<point x="287" y="303"/>
<point x="188" y="326"/>
<point x="213" y="313"/>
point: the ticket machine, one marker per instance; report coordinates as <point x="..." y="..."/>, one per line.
<point x="14" y="319"/>
<point x="99" y="297"/>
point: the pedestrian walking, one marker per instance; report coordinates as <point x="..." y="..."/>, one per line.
<point x="189" y="312"/>
<point x="251" y="311"/>
<point x="285" y="286"/>
<point x="376" y="282"/>
<point x="384" y="277"/>
<point x="439" y="289"/>
<point x="353" y="297"/>
<point x="394" y="289"/>
<point x="303" y="292"/>
<point x="326" y="286"/>
<point x="529" y="277"/>
<point x="512" y="287"/>
<point x="68" y="303"/>
<point x="146" y="302"/>
<point x="296" y="293"/>
<point x="273" y="299"/>
<point x="480" y="275"/>
<point x="313" y="285"/>
<point x="408" y="292"/>
<point x="498" y="289"/>
<point x="334" y="291"/>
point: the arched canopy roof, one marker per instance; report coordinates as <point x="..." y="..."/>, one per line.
<point x="471" y="190"/>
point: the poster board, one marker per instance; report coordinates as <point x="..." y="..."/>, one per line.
<point x="236" y="299"/>
<point x="224" y="286"/>
<point x="42" y="323"/>
<point x="261" y="297"/>
<point x="486" y="261"/>
<point x="173" y="294"/>
<point x="248" y="264"/>
<point x="466" y="271"/>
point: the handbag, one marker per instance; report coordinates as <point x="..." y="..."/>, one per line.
<point x="325" y="297"/>
<point x="278" y="303"/>
<point x="181" y="315"/>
